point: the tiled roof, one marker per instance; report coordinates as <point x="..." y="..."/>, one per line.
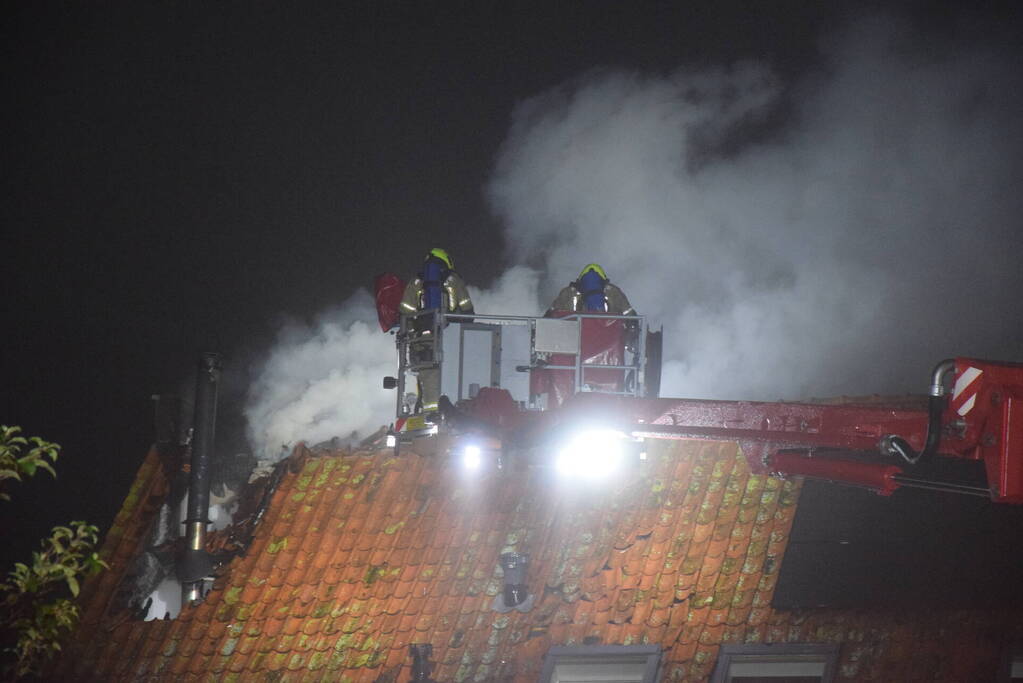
<point x="360" y="555"/>
<point x="125" y="538"/>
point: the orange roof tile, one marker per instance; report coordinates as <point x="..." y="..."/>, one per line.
<point x="361" y="554"/>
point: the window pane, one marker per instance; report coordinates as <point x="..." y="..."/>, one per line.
<point x="594" y="672"/>
<point x="777" y="669"/>
<point x="601" y="664"/>
<point x="776" y="663"/>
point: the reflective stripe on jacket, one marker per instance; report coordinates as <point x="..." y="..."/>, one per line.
<point x="571" y="299"/>
<point x="454" y="295"/>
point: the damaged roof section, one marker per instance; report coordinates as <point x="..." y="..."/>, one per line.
<point x="359" y="555"/>
<point x="145" y="539"/>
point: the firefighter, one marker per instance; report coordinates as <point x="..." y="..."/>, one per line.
<point x="436" y="287"/>
<point x="592" y="292"/>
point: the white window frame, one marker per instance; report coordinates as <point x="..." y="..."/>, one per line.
<point x="777" y="653"/>
<point x="648" y="655"/>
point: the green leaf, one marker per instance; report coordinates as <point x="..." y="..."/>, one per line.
<point x="47" y="466"/>
<point x="33" y="618"/>
<point x="28" y="466"/>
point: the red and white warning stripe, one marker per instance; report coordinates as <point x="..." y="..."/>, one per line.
<point x="964" y="395"/>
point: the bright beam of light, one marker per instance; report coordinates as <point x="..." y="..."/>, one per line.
<point x="593" y="454"/>
<point x="472" y="457"/>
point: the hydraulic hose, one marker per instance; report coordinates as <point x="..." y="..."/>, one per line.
<point x="896" y="445"/>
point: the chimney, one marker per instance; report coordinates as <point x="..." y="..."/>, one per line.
<point x="195" y="565"/>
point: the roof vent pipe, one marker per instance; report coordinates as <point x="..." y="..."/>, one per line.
<point x="421" y="665"/>
<point x="195" y="565"/>
<point x="514" y="595"/>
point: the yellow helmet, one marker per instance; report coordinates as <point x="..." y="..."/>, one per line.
<point x="595" y="267"/>
<point x="443" y="256"/>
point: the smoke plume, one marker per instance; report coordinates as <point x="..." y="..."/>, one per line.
<point x="322" y="381"/>
<point x="838" y="234"/>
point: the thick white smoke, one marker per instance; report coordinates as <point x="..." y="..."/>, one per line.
<point x="513" y="293"/>
<point x="324" y="380"/>
<point x="847" y="251"/>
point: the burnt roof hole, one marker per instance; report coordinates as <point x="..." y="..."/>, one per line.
<point x="141" y="612"/>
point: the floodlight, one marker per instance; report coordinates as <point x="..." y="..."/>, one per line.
<point x="592" y="454"/>
<point x="472" y="457"/>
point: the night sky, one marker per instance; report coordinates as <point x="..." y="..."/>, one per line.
<point x="186" y="176"/>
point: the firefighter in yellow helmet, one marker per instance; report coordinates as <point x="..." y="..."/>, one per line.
<point x="592" y="292"/>
<point x="435" y="287"/>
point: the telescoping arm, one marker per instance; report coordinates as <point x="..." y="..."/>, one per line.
<point x="974" y="412"/>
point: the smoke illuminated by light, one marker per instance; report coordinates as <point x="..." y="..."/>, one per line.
<point x="837" y="234"/>
<point x="323" y="380"/>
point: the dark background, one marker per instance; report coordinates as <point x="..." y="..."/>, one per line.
<point x="179" y="176"/>
<point x="850" y="547"/>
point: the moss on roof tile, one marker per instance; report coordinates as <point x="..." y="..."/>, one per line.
<point x="232" y="595"/>
<point x="692" y="547"/>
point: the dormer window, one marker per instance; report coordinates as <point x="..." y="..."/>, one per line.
<point x="586" y="663"/>
<point x="778" y="663"/>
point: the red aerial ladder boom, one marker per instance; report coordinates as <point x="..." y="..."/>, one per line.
<point x="587" y="370"/>
<point x="974" y="412"/>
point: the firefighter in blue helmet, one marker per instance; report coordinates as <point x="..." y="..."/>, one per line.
<point x="592" y="292"/>
<point x="436" y="287"/>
